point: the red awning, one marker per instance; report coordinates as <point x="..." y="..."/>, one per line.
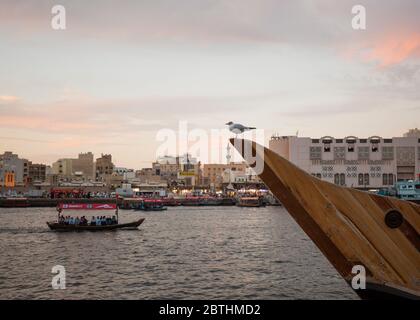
<point x="88" y="206"/>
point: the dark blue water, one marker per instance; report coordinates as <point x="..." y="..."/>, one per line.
<point x="182" y="253"/>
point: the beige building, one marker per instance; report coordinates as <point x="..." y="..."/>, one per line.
<point x="213" y="174"/>
<point x="104" y="166"/>
<point x="167" y="167"/>
<point x="148" y="175"/>
<point x="63" y="167"/>
<point x="82" y="166"/>
<point x="114" y="180"/>
<point x="372" y="162"/>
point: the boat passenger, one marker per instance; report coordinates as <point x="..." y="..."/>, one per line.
<point x="114" y="220"/>
<point x="93" y="221"/>
<point x="77" y="221"/>
<point x="98" y="221"/>
<point x="71" y="221"/>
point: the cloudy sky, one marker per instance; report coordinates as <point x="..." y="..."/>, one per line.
<point x="123" y="70"/>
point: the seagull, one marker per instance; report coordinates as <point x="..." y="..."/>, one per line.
<point x="238" y="128"/>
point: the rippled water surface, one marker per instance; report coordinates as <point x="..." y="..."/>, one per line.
<point x="181" y="253"/>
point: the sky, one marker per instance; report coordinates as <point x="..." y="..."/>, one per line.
<point x="123" y="71"/>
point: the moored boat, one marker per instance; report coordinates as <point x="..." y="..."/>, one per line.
<point x="150" y="205"/>
<point x="352" y="228"/>
<point x="255" y="202"/>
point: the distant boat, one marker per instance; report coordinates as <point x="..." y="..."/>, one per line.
<point x="150" y="205"/>
<point x="352" y="228"/>
<point x="60" y="226"/>
<point x="201" y="201"/>
<point x="408" y="190"/>
<point x="250" y="202"/>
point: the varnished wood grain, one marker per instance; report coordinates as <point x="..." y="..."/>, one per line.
<point x="346" y="224"/>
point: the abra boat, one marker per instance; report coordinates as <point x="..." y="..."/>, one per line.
<point x="64" y="227"/>
<point x="350" y="227"/>
<point x="59" y="226"/>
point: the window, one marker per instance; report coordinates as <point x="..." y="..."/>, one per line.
<point x="327" y="148"/>
<point x="360" y="179"/>
<point x="363" y="140"/>
<point x="375" y="148"/>
<point x="387" y="153"/>
<point x="315" y="153"/>
<point x="339" y="153"/>
<point x="342" y="179"/>
<point x="337" y="178"/>
<point x="366" y="179"/>
<point x="387" y="140"/>
<point x="385" y="179"/>
<point x="350" y="149"/>
<point x="315" y="140"/>
<point x="363" y="153"/>
<point x="338" y="140"/>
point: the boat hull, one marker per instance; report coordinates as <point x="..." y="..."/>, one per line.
<point x="63" y="227"/>
<point x="151" y="209"/>
<point x="250" y="205"/>
<point x="350" y="227"/>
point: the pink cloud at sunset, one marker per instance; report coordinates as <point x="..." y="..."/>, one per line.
<point x="9" y="99"/>
<point x="395" y="48"/>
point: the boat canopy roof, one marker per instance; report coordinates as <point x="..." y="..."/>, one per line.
<point x="87" y="206"/>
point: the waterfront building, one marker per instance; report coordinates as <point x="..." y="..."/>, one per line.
<point x="52" y="179"/>
<point x="167" y="168"/>
<point x="114" y="180"/>
<point x="214" y="174"/>
<point x="147" y="175"/>
<point x="14" y="171"/>
<point x="189" y="174"/>
<point x="84" y="165"/>
<point x="63" y="167"/>
<point x="104" y="166"/>
<point x="412" y="133"/>
<point x="120" y="170"/>
<point x="372" y="162"/>
<point x="37" y="172"/>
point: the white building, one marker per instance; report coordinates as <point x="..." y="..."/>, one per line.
<point x="10" y="162"/>
<point x="373" y="162"/>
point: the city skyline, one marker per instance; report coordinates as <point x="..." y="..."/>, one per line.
<point x="119" y="74"/>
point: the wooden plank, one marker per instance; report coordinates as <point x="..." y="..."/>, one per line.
<point x="346" y="224"/>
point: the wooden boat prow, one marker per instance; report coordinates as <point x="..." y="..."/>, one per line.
<point x="349" y="226"/>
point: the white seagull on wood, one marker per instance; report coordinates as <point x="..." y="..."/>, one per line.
<point x="238" y="128"/>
